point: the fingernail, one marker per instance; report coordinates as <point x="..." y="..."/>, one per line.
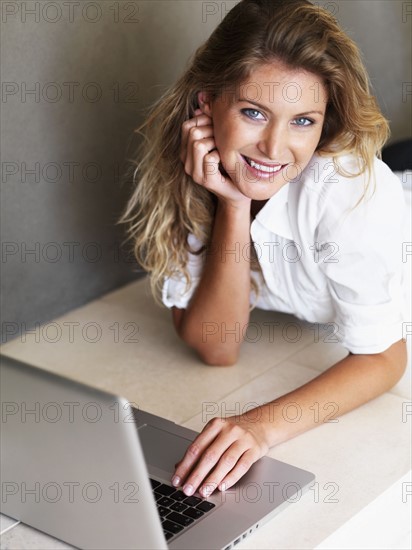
<point x="205" y="491"/>
<point x="188" y="490"/>
<point x="176" y="481"/>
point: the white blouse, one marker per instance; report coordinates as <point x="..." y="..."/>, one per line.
<point x="326" y="262"/>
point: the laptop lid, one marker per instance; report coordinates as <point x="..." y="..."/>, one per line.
<point x="71" y="462"/>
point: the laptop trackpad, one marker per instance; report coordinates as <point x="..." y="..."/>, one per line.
<point x="162" y="449"/>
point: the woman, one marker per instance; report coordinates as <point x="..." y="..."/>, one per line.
<point x="272" y="137"/>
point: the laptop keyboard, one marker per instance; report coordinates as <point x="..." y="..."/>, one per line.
<point x="177" y="511"/>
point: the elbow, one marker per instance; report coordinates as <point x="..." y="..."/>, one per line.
<point x="213" y="354"/>
<point x="218" y="358"/>
<point x="397" y="358"/>
<point x="401" y="368"/>
<point x="398" y="372"/>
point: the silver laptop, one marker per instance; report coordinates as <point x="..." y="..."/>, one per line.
<point x="86" y="467"/>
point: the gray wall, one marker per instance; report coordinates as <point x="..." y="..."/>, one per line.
<point x="382" y="30"/>
<point x="76" y="81"/>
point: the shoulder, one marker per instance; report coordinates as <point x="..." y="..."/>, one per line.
<point x="337" y="189"/>
<point x="341" y="174"/>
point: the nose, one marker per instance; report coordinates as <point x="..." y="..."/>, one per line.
<point x="273" y="142"/>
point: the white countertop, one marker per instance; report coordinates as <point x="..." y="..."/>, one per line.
<point x="125" y="344"/>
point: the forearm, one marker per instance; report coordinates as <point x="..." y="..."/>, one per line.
<point x="348" y="384"/>
<point x="227" y="447"/>
<point x="219" y="309"/>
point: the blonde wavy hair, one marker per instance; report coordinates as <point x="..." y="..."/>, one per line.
<point x="167" y="205"/>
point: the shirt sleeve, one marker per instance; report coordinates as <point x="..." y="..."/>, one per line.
<point x="175" y="292"/>
<point x="365" y="275"/>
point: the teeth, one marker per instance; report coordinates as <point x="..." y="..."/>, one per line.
<point x="261" y="168"/>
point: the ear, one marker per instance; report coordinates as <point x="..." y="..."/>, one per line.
<point x="205" y="103"/>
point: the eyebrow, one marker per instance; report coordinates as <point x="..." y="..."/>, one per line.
<point x="239" y="99"/>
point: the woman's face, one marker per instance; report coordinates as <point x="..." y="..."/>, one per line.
<point x="275" y="120"/>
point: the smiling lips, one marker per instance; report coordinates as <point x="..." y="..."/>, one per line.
<point x="261" y="167"/>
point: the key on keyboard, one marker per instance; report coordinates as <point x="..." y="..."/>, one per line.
<point x="177" y="510"/>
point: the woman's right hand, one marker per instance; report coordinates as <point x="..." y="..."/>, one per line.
<point x="201" y="160"/>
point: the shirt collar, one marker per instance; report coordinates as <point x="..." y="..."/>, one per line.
<point x="274" y="216"/>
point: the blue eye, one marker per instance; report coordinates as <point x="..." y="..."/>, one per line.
<point x="303" y="121"/>
<point x="250" y="112"/>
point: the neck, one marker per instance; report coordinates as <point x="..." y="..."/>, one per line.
<point x="256" y="206"/>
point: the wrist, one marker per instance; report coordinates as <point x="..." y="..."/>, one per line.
<point x="270" y="422"/>
<point x="235" y="208"/>
<point x="260" y="422"/>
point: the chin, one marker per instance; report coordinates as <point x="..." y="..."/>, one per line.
<point x="260" y="191"/>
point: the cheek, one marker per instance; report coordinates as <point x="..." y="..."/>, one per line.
<point x="318" y="135"/>
<point x="227" y="129"/>
<point x="308" y="146"/>
<point x="226" y="136"/>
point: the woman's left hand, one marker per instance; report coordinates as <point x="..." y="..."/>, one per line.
<point x="222" y="453"/>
